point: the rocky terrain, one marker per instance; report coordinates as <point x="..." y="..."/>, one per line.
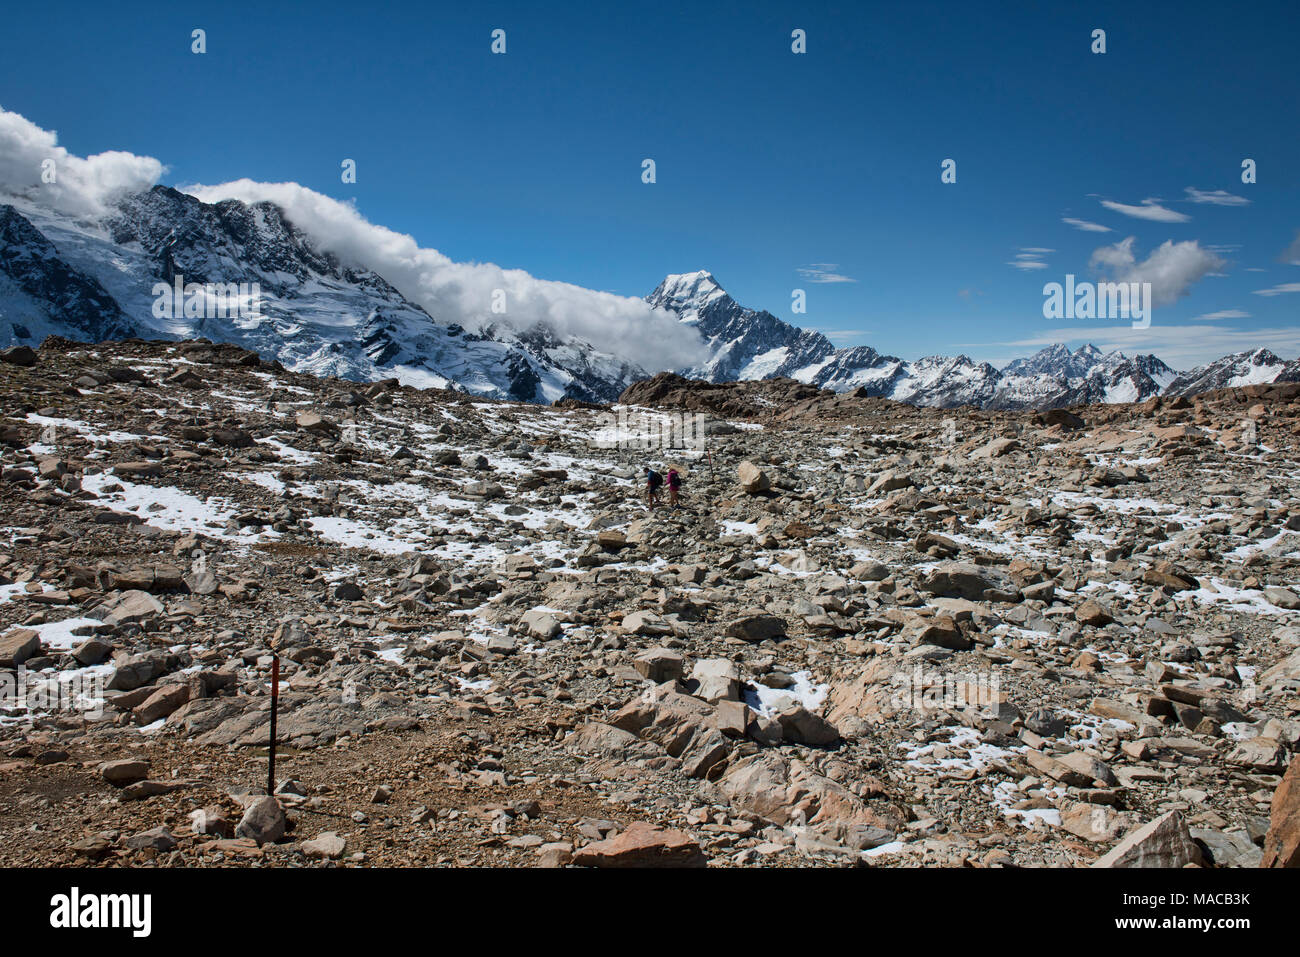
<point x="873" y="634"/>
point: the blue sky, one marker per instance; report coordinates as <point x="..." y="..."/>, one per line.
<point x="767" y="162"/>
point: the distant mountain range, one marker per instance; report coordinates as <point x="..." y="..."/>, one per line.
<point x="750" y="344"/>
<point x="96" y="281"/>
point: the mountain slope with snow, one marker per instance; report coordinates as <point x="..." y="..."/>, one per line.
<point x="749" y="344"/>
<point x="96" y="281"/>
<point x="1242" y="368"/>
<point x="99" y="280"/>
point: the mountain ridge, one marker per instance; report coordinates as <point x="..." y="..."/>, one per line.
<point x="753" y="344"/>
<point x="96" y="281"/>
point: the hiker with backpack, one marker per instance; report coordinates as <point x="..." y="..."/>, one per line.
<point x="674" y="486"/>
<point x="653" y="480"/>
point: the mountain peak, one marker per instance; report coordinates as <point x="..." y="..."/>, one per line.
<point x="690" y="285"/>
<point x="688" y="293"/>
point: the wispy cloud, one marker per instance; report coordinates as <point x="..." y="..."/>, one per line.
<point x="1281" y="290"/>
<point x="1222" y="314"/>
<point x="1030" y="258"/>
<point x="1150" y="209"/>
<point x="823" y="272"/>
<point x="1291" y="255"/>
<point x="1085" y="226"/>
<point x="1215" y="197"/>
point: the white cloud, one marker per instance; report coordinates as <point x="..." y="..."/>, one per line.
<point x="1030" y="258"/>
<point x="1292" y="254"/>
<point x="1284" y="288"/>
<point x="1150" y="209"/>
<point x="83" y="188"/>
<point x="1172" y="269"/>
<point x="1222" y="314"/>
<point x="1084" y="225"/>
<point x="451" y="292"/>
<point x="822" y="272"/>
<point x="1215" y="197"/>
<point x="838" y="336"/>
<point x="462" y="292"/>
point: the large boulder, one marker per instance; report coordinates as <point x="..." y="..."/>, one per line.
<point x="125" y="771"/>
<point x="890" y="481"/>
<point x="263" y="821"/>
<point x="801" y="726"/>
<point x="17" y="646"/>
<point x="594" y="737"/>
<point x="789" y="792"/>
<point x="659" y="664"/>
<point x="315" y="422"/>
<point x="136" y="671"/>
<point x="1164" y="842"/>
<point x="752" y="479"/>
<point x="972" y="582"/>
<point x="716" y="679"/>
<point x="18" y="356"/>
<point x="642" y="845"/>
<point x="541" y="624"/>
<point x="1282" y="842"/>
<point x="757" y="626"/>
<point x="681" y="724"/>
<point x="131" y="607"/>
<point x="162" y="703"/>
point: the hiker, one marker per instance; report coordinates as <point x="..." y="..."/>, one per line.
<point x="674" y="486"/>
<point x="652" y="482"/>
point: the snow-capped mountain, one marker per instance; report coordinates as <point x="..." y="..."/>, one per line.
<point x="743" y="343"/>
<point x="748" y="344"/>
<point x="96" y="281"/>
<point x="37" y="285"/>
<point x="1242" y="368"/>
<point x="1057" y="361"/>
<point x="100" y="280"/>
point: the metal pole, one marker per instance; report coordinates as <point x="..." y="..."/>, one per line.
<point x="275" y="702"/>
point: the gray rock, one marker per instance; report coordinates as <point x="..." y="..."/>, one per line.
<point x="756" y="627"/>
<point x="159" y="838"/>
<point x="263" y="821"/>
<point x="327" y="846"/>
<point x="1163" y="842"/>
<point x="124" y="772"/>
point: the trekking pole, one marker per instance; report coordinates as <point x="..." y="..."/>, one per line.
<point x="275" y="701"/>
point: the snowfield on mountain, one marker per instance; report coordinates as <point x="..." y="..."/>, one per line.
<point x="92" y="281"/>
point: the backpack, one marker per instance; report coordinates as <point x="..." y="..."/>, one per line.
<point x="674" y="480"/>
<point x="654" y="480"/>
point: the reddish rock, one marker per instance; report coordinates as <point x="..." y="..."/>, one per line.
<point x="1282" y="843"/>
<point x="17" y="646"/>
<point x="162" y="703"/>
<point x="642" y="845"/>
